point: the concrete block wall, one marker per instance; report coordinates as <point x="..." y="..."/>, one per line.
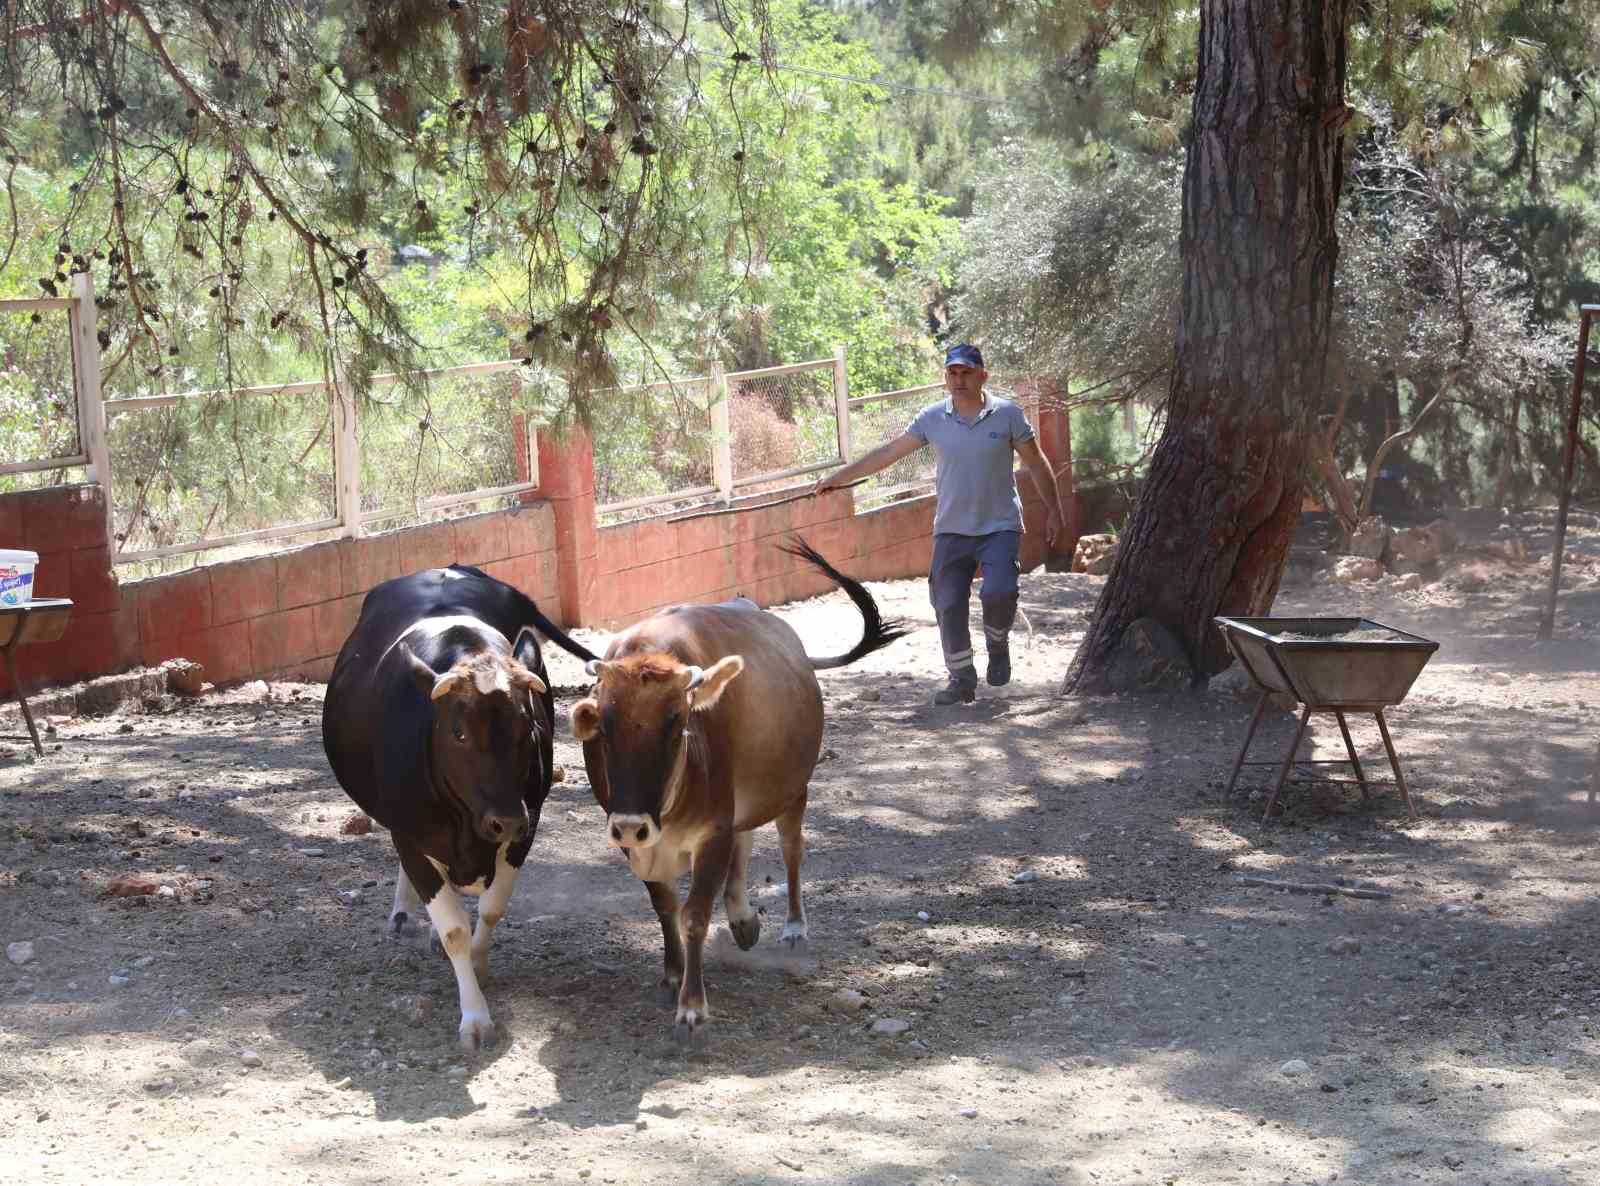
<point x="653" y="563"/>
<point x="286" y="615"/>
<point x="66" y="525"/>
<point x="272" y="617"/>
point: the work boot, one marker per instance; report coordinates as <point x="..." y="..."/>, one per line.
<point x="960" y="690"/>
<point x="998" y="614"/>
<point x="999" y="673"/>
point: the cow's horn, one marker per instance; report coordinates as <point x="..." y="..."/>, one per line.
<point x="695" y="675"/>
<point x="592" y="669"/>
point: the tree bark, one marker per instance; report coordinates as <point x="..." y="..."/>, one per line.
<point x="1260" y="192"/>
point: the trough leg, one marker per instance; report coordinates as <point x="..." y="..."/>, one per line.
<point x="1350" y="748"/>
<point x="791" y="837"/>
<point x="1394" y="763"/>
<point x="16" y="690"/>
<point x="450" y="923"/>
<point x="1249" y="735"/>
<point x="664" y="897"/>
<point x="708" y="876"/>
<point x="743" y="920"/>
<point x="491" y="909"/>
<point x="1288" y="762"/>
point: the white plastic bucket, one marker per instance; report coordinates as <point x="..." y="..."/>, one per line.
<point x="16" y="575"/>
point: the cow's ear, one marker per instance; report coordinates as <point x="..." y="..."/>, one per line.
<point x="586" y="719"/>
<point x="717" y="677"/>
<point x="525" y="648"/>
<point x="424" y="676"/>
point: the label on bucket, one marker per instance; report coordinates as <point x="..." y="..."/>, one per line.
<point x="16" y="584"/>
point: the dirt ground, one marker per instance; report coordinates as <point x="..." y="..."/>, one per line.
<point x="1047" y="890"/>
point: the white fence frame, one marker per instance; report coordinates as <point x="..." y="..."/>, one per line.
<point x="81" y="326"/>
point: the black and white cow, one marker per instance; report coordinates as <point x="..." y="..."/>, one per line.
<point x="438" y="723"/>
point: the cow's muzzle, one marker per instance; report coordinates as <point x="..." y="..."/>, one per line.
<point x="632" y="831"/>
<point x="502" y="829"/>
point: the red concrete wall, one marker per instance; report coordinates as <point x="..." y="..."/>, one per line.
<point x="286" y="615"/>
<point x="275" y="617"/>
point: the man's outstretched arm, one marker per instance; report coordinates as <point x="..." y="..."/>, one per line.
<point x="882" y="457"/>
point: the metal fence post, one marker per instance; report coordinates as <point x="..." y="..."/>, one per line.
<point x="84" y="329"/>
<point x="717" y="395"/>
<point x="346" y="456"/>
<point x="841" y="403"/>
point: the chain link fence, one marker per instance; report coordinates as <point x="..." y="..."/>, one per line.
<point x="237" y="466"/>
<point x="783" y="422"/>
<point x="460" y="435"/>
<point x="40" y="441"/>
<point x="654" y="448"/>
<point x="878" y="419"/>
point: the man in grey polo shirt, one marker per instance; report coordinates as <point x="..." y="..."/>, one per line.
<point x="978" y="521"/>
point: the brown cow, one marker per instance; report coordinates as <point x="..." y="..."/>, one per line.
<point x="705" y="723"/>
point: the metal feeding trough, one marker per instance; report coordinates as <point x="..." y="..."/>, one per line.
<point x="1335" y="665"/>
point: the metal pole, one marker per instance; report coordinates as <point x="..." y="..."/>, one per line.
<point x="1547" y="619"/>
<point x="1288" y="764"/>
<point x="1249" y="734"/>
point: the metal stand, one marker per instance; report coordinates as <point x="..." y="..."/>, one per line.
<point x="40" y="620"/>
<point x="1289" y="761"/>
<point x="16" y="691"/>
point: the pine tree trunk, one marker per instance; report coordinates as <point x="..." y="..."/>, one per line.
<point x="1260" y="193"/>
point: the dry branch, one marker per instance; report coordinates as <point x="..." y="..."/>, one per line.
<point x="1309" y="887"/>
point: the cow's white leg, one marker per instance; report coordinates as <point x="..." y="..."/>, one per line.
<point x="793" y="843"/>
<point x="491" y="909"/>
<point x="450" y="923"/>
<point x="742" y="918"/>
<point x="406" y="904"/>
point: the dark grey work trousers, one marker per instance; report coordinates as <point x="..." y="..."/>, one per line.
<point x="956" y="560"/>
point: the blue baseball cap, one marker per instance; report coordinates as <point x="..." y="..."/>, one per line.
<point x="964" y="355"/>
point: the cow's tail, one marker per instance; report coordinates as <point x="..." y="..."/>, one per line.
<point x="877" y="631"/>
<point x="560" y="637"/>
<point x="540" y="623"/>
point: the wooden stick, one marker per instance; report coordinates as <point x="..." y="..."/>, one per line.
<point x="1308" y="887"/>
<point x="758" y="506"/>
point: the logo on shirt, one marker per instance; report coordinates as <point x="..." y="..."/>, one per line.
<point x="995" y="436"/>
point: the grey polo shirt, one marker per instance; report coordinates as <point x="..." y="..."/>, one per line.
<point x="975" y="483"/>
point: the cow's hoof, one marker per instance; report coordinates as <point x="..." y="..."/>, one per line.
<point x="477" y="1032"/>
<point x="399" y="925"/>
<point x="745" y="931"/>
<point x="689" y="1024"/>
<point x="794" y="935"/>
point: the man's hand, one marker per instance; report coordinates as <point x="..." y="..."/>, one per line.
<point x="1052" y="528"/>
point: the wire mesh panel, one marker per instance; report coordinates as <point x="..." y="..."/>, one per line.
<point x="464" y="432"/>
<point x="783" y="420"/>
<point x="218" y="467"/>
<point x="876" y="419"/>
<point x="39" y="437"/>
<point x="652" y="447"/>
